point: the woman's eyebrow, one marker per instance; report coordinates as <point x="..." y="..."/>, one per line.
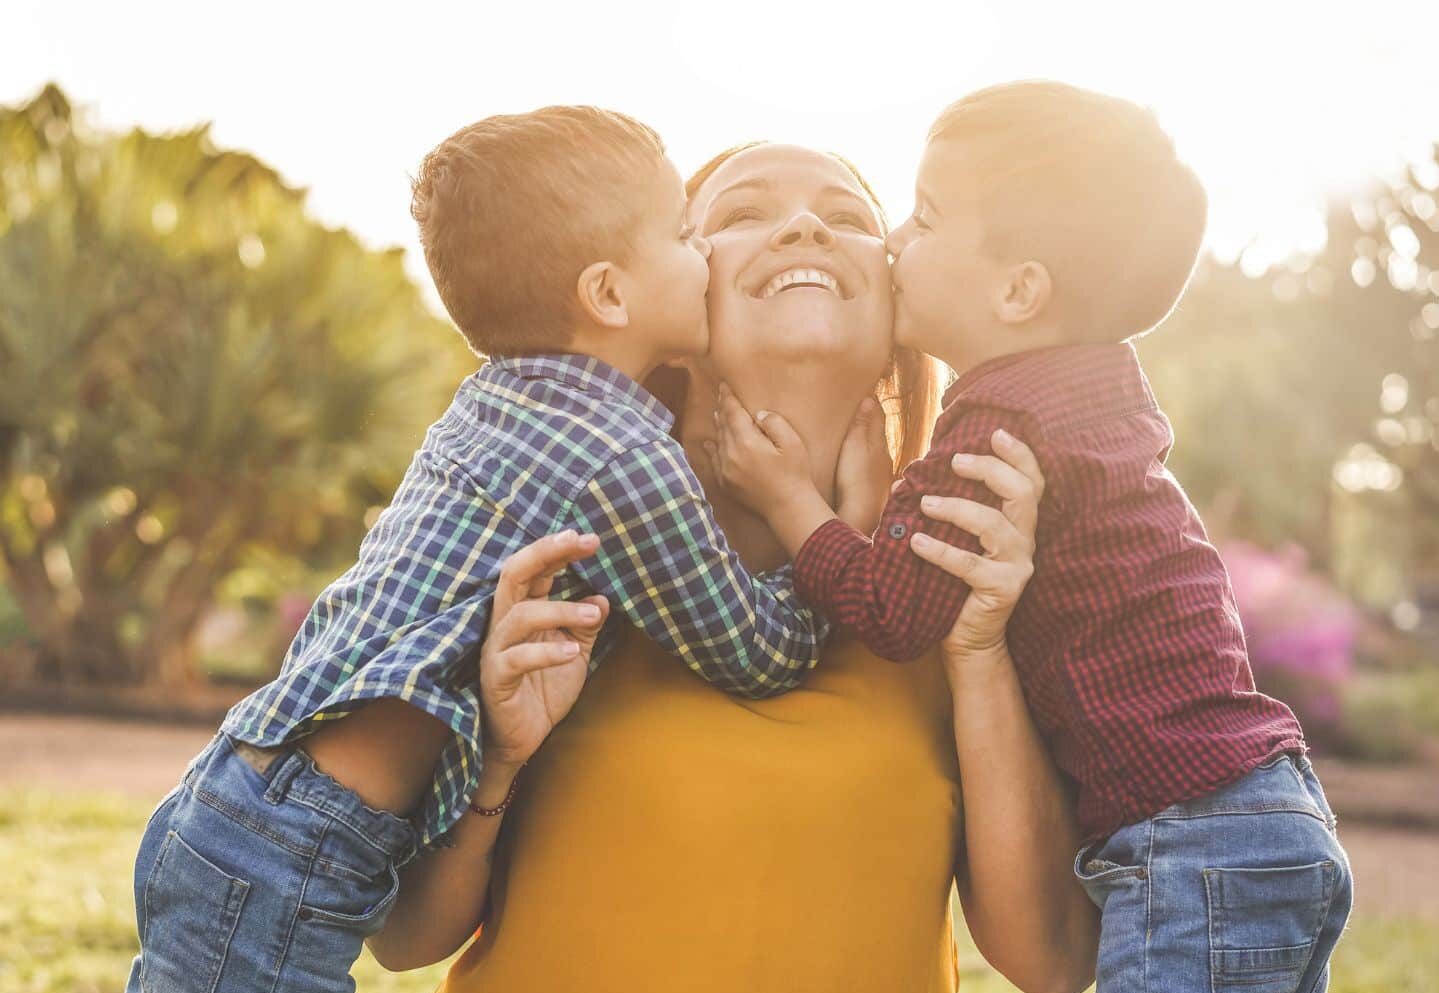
<point x="843" y="191"/>
<point x="758" y="183"/>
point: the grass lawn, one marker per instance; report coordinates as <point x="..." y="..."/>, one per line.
<point x="67" y="914"/>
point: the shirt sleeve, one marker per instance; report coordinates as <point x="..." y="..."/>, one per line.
<point x="877" y="589"/>
<point x="665" y="564"/>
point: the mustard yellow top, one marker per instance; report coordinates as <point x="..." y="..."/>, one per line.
<point x="669" y="837"/>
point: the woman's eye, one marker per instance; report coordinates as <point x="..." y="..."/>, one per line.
<point x="852" y="220"/>
<point x="737" y="215"/>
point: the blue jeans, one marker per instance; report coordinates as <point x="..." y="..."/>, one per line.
<point x="259" y="872"/>
<point x="1244" y="889"/>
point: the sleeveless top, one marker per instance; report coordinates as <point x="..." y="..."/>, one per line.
<point x="669" y="837"/>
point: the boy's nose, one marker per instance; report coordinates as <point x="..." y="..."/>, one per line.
<point x="895" y="241"/>
<point x="801" y="228"/>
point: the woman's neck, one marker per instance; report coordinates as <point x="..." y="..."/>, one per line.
<point x="817" y="398"/>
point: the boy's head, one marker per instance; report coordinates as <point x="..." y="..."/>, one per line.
<point x="1044" y="214"/>
<point x="562" y="230"/>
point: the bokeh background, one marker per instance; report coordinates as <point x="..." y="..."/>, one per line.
<point x="218" y="349"/>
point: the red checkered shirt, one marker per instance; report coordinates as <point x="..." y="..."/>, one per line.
<point x="1127" y="640"/>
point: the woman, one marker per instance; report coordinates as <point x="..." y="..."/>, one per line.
<point x="670" y="837"/>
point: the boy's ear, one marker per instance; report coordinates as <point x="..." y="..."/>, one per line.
<point x="602" y="299"/>
<point x="1024" y="294"/>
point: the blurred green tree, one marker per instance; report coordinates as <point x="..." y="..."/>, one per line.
<point x="192" y="370"/>
<point x="1305" y="390"/>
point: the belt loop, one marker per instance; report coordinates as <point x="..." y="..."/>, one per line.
<point x="280" y="783"/>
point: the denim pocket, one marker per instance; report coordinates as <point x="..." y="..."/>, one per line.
<point x="191" y="909"/>
<point x="1263" y="924"/>
<point x="347" y="903"/>
<point x="1120" y="889"/>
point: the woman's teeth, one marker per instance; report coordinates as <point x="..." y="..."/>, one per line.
<point x="799" y="277"/>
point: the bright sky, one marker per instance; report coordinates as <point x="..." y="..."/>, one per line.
<point x="1274" y="102"/>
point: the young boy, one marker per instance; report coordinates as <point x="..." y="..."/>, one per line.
<point x="558" y="243"/>
<point x="1051" y="226"/>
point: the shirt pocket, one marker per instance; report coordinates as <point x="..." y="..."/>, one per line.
<point x="1264" y="923"/>
<point x="192" y="907"/>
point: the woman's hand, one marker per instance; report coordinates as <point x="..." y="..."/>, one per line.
<point x="997" y="578"/>
<point x="1026" y="912"/>
<point x="532" y="666"/>
<point x="536" y="653"/>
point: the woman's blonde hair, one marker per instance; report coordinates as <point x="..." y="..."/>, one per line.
<point x="909" y="390"/>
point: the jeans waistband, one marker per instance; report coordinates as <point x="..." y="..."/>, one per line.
<point x="1283" y="782"/>
<point x="290" y="774"/>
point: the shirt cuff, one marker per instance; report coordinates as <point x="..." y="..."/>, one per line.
<point x="821" y="561"/>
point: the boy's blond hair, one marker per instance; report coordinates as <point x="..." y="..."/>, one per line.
<point x="1090" y="186"/>
<point x="513" y="208"/>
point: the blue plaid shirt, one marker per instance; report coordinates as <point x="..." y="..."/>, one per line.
<point x="530" y="446"/>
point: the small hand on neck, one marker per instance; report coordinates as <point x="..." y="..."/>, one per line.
<point x="818" y="399"/>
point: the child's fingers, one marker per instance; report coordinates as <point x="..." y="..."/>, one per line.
<point x="1021" y="456"/>
<point x="744" y="434"/>
<point x="996" y="533"/>
<point x="779" y="431"/>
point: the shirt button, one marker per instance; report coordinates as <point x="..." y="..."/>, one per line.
<point x="897" y="530"/>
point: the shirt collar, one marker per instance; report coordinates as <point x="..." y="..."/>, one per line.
<point x="1066" y="380"/>
<point x="588" y="375"/>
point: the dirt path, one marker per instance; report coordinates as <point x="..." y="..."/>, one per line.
<point x="1397" y="868"/>
<point x="83" y="754"/>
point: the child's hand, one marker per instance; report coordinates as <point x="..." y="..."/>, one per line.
<point x="862" y="475"/>
<point x="763" y="460"/>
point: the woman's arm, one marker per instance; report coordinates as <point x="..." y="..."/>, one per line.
<point x="1027" y="913"/>
<point x="533" y="664"/>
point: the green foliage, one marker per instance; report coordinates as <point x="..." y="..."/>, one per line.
<point x="192" y="372"/>
<point x="1290" y="382"/>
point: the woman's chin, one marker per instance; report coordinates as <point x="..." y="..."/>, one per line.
<point x="800" y="325"/>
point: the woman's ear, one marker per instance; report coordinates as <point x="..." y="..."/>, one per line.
<point x="1024" y="294"/>
<point x="602" y="299"/>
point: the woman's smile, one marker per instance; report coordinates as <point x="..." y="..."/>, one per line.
<point x="798" y="277"/>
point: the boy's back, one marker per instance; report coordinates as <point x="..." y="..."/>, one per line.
<point x="528" y="446"/>
<point x="1128" y="641"/>
<point x="496" y="471"/>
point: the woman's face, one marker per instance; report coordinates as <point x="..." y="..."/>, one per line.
<point x="798" y="267"/>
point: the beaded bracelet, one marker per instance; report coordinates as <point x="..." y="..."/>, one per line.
<point x="505" y="803"/>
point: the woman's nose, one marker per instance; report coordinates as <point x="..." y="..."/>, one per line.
<point x="802" y="229"/>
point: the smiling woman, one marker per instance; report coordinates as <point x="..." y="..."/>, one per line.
<point x="670" y="837"/>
